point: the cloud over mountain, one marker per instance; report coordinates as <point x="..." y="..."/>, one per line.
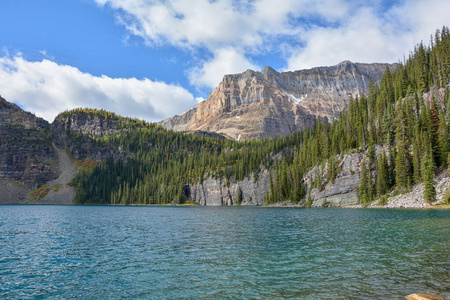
<point x="306" y="33"/>
<point x="47" y="88"/>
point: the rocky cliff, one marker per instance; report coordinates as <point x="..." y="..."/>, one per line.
<point x="78" y="129"/>
<point x="270" y="104"/>
<point x="216" y="192"/>
<point x="26" y="152"/>
<point x="342" y="191"/>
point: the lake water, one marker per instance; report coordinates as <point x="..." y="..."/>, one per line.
<point x="93" y="252"/>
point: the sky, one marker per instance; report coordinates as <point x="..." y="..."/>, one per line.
<point x="153" y="59"/>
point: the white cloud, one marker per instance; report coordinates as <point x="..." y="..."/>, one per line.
<point x="201" y="23"/>
<point x="365" y="35"/>
<point x="362" y="38"/>
<point x="322" y="32"/>
<point x="220" y="23"/>
<point x="225" y="61"/>
<point x="46" y="89"/>
<point x="229" y="30"/>
<point x="360" y="29"/>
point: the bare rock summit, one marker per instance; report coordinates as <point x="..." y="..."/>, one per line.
<point x="254" y="105"/>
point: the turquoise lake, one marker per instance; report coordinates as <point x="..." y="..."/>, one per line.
<point x="109" y="252"/>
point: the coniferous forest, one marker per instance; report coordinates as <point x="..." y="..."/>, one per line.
<point x="412" y="131"/>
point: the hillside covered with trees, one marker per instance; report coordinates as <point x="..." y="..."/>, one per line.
<point x="414" y="136"/>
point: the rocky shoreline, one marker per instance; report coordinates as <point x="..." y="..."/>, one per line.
<point x="412" y="199"/>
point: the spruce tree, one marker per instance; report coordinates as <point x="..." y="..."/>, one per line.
<point x="382" y="184"/>
<point x="363" y="185"/>
<point x="429" y="192"/>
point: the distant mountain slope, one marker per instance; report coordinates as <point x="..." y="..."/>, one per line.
<point x="26" y="152"/>
<point x="394" y="140"/>
<point x="270" y="104"/>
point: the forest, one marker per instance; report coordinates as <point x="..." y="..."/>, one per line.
<point x="414" y="136"/>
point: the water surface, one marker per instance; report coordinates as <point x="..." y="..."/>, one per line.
<point x="93" y="252"/>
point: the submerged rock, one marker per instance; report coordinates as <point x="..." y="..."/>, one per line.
<point x="423" y="296"/>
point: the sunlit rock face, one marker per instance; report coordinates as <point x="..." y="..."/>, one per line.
<point x="254" y="105"/>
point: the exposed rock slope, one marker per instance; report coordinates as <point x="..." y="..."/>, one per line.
<point x="342" y="191"/>
<point x="26" y="152"/>
<point x="59" y="191"/>
<point x="216" y="192"/>
<point x="269" y="104"/>
<point x="75" y="130"/>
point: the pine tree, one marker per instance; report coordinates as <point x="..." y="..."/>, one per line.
<point x="416" y="160"/>
<point x="382" y="184"/>
<point x="363" y="185"/>
<point x="401" y="169"/>
<point x="429" y="192"/>
<point x="239" y="196"/>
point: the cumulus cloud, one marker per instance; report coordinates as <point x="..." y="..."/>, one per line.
<point x="322" y="32"/>
<point x="202" y="23"/>
<point x="366" y="35"/>
<point x="220" y="23"/>
<point x="47" y="88"/>
<point x="362" y="38"/>
<point x="231" y="31"/>
<point x="225" y="61"/>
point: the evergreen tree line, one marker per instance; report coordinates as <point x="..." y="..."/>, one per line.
<point x="156" y="164"/>
<point x="412" y="131"/>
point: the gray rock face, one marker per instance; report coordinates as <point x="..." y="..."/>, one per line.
<point x="340" y="193"/>
<point x="216" y="192"/>
<point x="26" y="152"/>
<point x="12" y="192"/>
<point x="269" y="104"/>
<point x="83" y="123"/>
<point x="343" y="190"/>
<point x="66" y="126"/>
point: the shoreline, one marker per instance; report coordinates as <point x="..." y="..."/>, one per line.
<point x="277" y="205"/>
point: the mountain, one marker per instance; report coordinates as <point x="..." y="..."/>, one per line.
<point x="267" y="104"/>
<point x="390" y="147"/>
<point x="37" y="159"/>
<point x="26" y="152"/>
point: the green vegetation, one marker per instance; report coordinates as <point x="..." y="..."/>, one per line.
<point x="394" y="115"/>
<point x="412" y="131"/>
<point x="157" y="164"/>
<point x="40" y="193"/>
<point x="123" y="122"/>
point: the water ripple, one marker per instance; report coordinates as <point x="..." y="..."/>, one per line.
<point x="82" y="252"/>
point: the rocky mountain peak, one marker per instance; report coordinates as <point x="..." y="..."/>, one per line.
<point x="269" y="103"/>
<point x="269" y="71"/>
<point x="12" y="114"/>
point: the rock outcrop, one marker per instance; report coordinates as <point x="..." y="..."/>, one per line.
<point x="254" y="105"/>
<point x="26" y="152"/>
<point x="424" y="296"/>
<point x="414" y="197"/>
<point x="84" y="123"/>
<point x="216" y="192"/>
<point x="342" y="191"/>
<point x="58" y="191"/>
<point x="76" y="130"/>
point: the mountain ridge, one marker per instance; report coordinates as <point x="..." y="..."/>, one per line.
<point x="267" y="104"/>
<point x="394" y="139"/>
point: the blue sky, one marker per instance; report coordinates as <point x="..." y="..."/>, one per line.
<point x="152" y="59"/>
